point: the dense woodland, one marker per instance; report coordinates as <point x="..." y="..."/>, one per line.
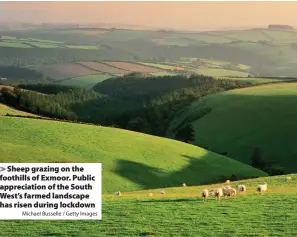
<point x="136" y="103"/>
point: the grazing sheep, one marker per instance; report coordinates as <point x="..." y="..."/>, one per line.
<point x="227" y="181"/>
<point x="162" y="192"/>
<point x="150" y="194"/>
<point x="231" y="192"/>
<point x="117" y="193"/>
<point x="241" y="188"/>
<point x="205" y="194"/>
<point x="262" y="188"/>
<point x="228" y="191"/>
<point x="225" y="187"/>
<point x="184" y="185"/>
<point x="218" y="193"/>
<point x="211" y="192"/>
<point x="288" y="178"/>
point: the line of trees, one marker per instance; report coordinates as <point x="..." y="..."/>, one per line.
<point x="131" y="102"/>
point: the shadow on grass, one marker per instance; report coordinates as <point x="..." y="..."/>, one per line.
<point x="206" y="170"/>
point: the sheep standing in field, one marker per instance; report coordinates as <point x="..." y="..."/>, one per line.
<point x="226" y="187"/>
<point x="228" y="191"/>
<point x="211" y="192"/>
<point x="288" y="178"/>
<point x="218" y="192"/>
<point x="117" y="193"/>
<point x="262" y="188"/>
<point x="227" y="181"/>
<point x="184" y="185"/>
<point x="231" y="192"/>
<point x="162" y="192"/>
<point x="241" y="188"/>
<point x="205" y="194"/>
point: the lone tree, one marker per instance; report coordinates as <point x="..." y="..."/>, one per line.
<point x="186" y="134"/>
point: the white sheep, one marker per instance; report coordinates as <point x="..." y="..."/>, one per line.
<point x="262" y="188"/>
<point x="184" y="185"/>
<point x="228" y="191"/>
<point x="205" y="194"/>
<point x="227" y="187"/>
<point x="150" y="194"/>
<point x="241" y="188"/>
<point x="218" y="193"/>
<point x="162" y="192"/>
<point x="227" y="181"/>
<point x="288" y="178"/>
<point x="117" y="193"/>
<point x="231" y="192"/>
<point x="211" y="192"/>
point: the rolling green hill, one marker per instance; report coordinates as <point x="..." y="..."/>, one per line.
<point x="131" y="161"/>
<point x="241" y="120"/>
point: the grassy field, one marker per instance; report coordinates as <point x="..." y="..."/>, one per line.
<point x="132" y="67"/>
<point x="85" y="81"/>
<point x="164" y="66"/>
<point x="212" y="63"/>
<point x="131" y="161"/>
<point x="181" y="212"/>
<point x="219" y="72"/>
<point x="160" y="74"/>
<point x="243" y="119"/>
<point x="91" y="47"/>
<point x="8" y="41"/>
<point x="258" y="80"/>
<point x="4" y="109"/>
<point x="13" y="44"/>
<point x="214" y="67"/>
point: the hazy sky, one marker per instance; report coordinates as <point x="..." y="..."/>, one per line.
<point x="155" y="14"/>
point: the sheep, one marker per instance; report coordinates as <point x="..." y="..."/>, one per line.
<point x="117" y="193"/>
<point x="227" y="181"/>
<point x="184" y="185"/>
<point x="211" y="192"/>
<point x="218" y="193"/>
<point x="205" y="194"/>
<point x="231" y="192"/>
<point x="150" y="194"/>
<point x="162" y="192"/>
<point x="228" y="191"/>
<point x="227" y="187"/>
<point x="241" y="188"/>
<point x="288" y="178"/>
<point x="262" y="188"/>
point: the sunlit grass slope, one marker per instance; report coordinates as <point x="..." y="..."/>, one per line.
<point x="4" y="110"/>
<point x="181" y="212"/>
<point x="243" y="119"/>
<point x="131" y="161"/>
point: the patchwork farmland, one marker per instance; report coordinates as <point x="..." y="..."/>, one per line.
<point x="133" y="67"/>
<point x="65" y="70"/>
<point x="102" y="67"/>
<point x="94" y="72"/>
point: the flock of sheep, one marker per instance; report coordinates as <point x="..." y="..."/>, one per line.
<point x="228" y="191"/>
<point x="223" y="191"/>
